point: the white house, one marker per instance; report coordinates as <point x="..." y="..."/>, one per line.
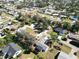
<point x="41" y="39"/>
<point x="63" y="55"/>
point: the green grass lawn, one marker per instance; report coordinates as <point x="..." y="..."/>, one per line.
<point x="52" y="53"/>
<point x="26" y="56"/>
<point x="49" y="54"/>
<point x="65" y="49"/>
<point x="78" y="54"/>
<point x="42" y="54"/>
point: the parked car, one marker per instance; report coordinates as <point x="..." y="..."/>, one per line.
<point x="75" y="43"/>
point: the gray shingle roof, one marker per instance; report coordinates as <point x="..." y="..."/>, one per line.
<point x="14" y="46"/>
<point x="42" y="46"/>
<point x="11" y="49"/>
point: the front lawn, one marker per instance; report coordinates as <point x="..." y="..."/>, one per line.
<point x="52" y="53"/>
<point x="27" y="56"/>
<point x="78" y="54"/>
<point x="65" y="49"/>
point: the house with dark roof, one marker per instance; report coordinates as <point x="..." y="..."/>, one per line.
<point x="41" y="47"/>
<point x="74" y="18"/>
<point x="57" y="29"/>
<point x="60" y="30"/>
<point x="12" y="50"/>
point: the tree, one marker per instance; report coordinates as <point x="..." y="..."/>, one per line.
<point x="59" y="4"/>
<point x="42" y="23"/>
<point x="41" y="55"/>
<point x="56" y="24"/>
<point x="45" y="25"/>
<point x="27" y="41"/>
<point x="2" y="42"/>
<point x="64" y="38"/>
<point x="9" y="37"/>
<point x="66" y="25"/>
<point x="6" y="31"/>
<point x="42" y="3"/>
<point x="53" y="37"/>
<point x="34" y="18"/>
<point x="75" y="27"/>
<point x="73" y="6"/>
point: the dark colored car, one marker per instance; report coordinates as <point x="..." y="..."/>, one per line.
<point x="75" y="43"/>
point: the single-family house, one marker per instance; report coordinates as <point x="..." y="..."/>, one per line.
<point x="74" y="18"/>
<point x="63" y="55"/>
<point x="73" y="36"/>
<point x="41" y="39"/>
<point x="41" y="47"/>
<point x="12" y="50"/>
<point x="60" y="31"/>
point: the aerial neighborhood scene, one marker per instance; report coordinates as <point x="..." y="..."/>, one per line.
<point x="39" y="29"/>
